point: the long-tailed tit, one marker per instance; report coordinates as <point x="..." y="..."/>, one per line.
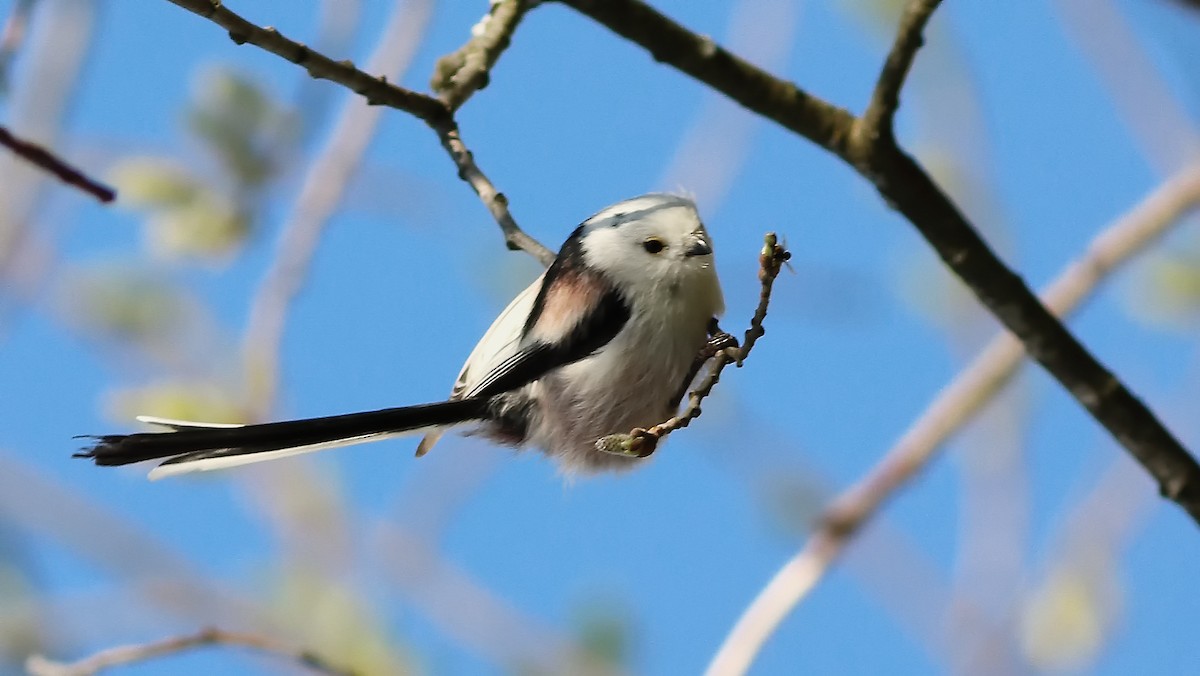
<point x="605" y="341"/>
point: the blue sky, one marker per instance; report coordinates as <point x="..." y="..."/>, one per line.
<point x="411" y="270"/>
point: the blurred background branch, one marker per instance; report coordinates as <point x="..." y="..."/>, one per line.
<point x="957" y="403"/>
<point x="104" y="660"/>
<point x="12" y="36"/>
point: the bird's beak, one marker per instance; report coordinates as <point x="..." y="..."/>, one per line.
<point x="699" y="247"/>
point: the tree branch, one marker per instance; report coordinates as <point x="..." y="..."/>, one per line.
<point x="700" y="57"/>
<point x="906" y="186"/>
<point x="956" y="404"/>
<point x="44" y="159"/>
<point x="378" y="91"/>
<point x="877" y="120"/>
<point x="493" y="199"/>
<point x="461" y="73"/>
<point x="38" y="665"/>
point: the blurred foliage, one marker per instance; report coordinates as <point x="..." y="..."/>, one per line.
<point x="179" y="400"/>
<point x="189" y="215"/>
<point x="122" y="305"/>
<point x="332" y="621"/>
<point x="154" y="183"/>
<point x="242" y="125"/>
<point x="1167" y="293"/>
<point x="209" y="226"/>
<point x="878" y="16"/>
<point x="20" y="631"/>
<point x="1066" y="620"/>
<point x="307" y="512"/>
<point x="139" y="311"/>
<point x="185" y="216"/>
<point x="605" y="630"/>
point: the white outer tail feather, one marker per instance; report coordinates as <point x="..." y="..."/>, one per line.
<point x="209" y="464"/>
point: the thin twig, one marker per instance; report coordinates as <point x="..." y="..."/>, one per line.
<point x="642" y="442"/>
<point x="40" y="157"/>
<point x="378" y="91"/>
<point x="461" y="73"/>
<point x="957" y="403"/>
<point x="516" y="238"/>
<point x="38" y="665"/>
<point x="910" y="190"/>
<point x="877" y="119"/>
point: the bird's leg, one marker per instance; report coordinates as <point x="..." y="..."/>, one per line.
<point x="718" y="341"/>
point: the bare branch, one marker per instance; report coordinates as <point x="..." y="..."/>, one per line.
<point x="38" y="665"/>
<point x="494" y="200"/>
<point x="877" y="119"/>
<point x="702" y="58"/>
<point x="40" y="157"/>
<point x="1043" y="336"/>
<point x="461" y="73"/>
<point x="909" y="189"/>
<point x="957" y="403"/>
<point x="642" y="442"/>
<point x="378" y="91"/>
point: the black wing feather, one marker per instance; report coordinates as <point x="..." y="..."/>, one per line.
<point x="593" y="332"/>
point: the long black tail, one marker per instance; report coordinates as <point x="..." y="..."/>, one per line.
<point x="193" y="443"/>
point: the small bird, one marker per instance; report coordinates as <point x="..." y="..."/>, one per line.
<point x="607" y="340"/>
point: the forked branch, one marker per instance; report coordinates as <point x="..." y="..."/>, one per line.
<point x="905" y="186"/>
<point x="378" y="91"/>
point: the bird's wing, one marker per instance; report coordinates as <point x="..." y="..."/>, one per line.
<point x="555" y="324"/>
<point x="575" y="314"/>
<point x="501" y="341"/>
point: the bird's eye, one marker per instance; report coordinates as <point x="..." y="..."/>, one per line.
<point x="654" y="245"/>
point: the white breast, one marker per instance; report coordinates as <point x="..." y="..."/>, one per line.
<point x="628" y="383"/>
